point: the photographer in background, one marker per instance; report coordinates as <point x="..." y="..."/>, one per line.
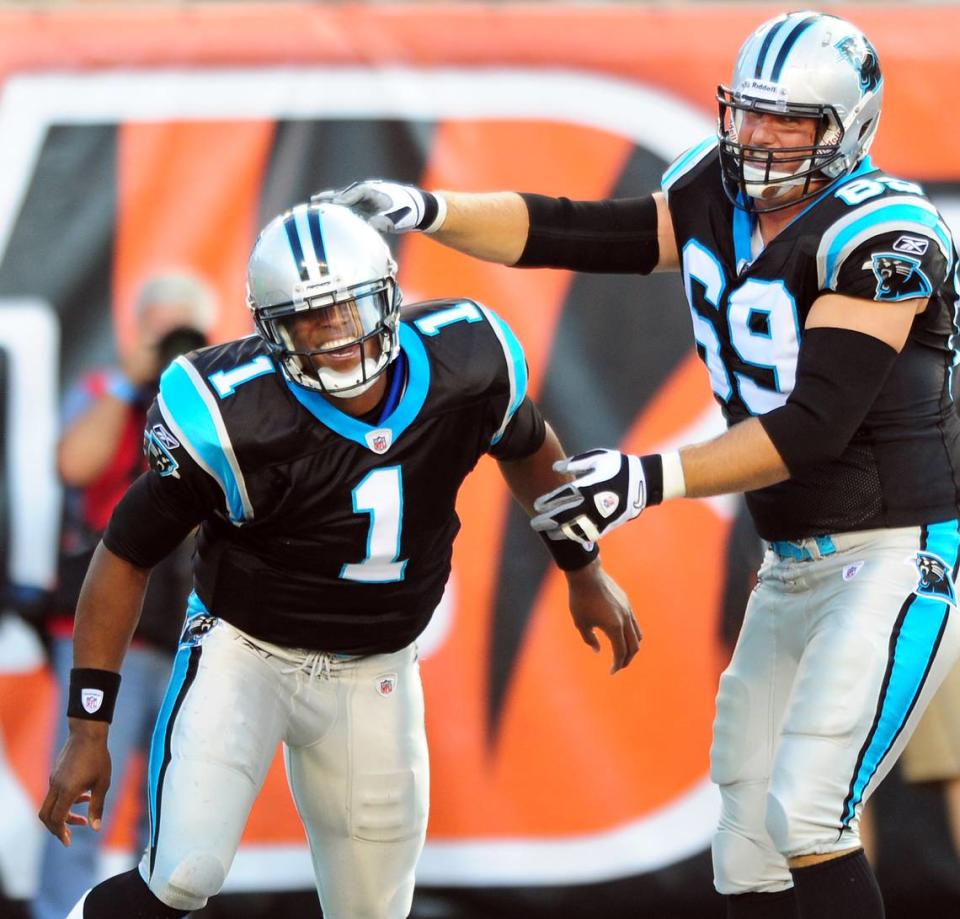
<point x="99" y="455"/>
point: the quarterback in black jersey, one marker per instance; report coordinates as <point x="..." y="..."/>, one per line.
<point x="321" y="460"/>
<point x="823" y="295"/>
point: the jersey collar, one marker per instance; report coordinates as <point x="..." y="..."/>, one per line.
<point x="377" y="438"/>
<point x="744" y="222"/>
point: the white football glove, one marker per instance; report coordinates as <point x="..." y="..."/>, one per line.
<point x="609" y="489"/>
<point x="389" y="206"/>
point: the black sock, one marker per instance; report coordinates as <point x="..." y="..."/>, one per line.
<point x="841" y="888"/>
<point x="779" y="905"/>
<point x="126" y="896"/>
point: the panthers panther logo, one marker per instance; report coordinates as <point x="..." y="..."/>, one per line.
<point x="935" y="578"/>
<point x="859" y="53"/>
<point x="196" y="627"/>
<point x="898" y="277"/>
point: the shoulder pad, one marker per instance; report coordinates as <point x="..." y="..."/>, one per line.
<point x="686" y="163"/>
<point x="431" y="317"/>
<point x="880" y="206"/>
<point x="191" y="409"/>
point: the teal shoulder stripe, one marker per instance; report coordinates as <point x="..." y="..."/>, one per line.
<point x="889" y="218"/>
<point x="516" y="366"/>
<point x="686" y="161"/>
<point x="195" y="419"/>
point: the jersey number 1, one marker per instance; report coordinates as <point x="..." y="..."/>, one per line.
<point x="380" y="495"/>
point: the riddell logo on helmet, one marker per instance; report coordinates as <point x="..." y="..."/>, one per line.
<point x="762" y="89"/>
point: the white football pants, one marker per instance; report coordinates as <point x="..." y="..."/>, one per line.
<point x="837" y="658"/>
<point x="356" y="759"/>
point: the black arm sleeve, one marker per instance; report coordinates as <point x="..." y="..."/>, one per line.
<point x="152" y="519"/>
<point x="524" y="435"/>
<point x="839" y="374"/>
<point x="617" y="235"/>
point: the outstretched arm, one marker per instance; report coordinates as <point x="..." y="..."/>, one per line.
<point x="596" y="600"/>
<point x="627" y="235"/>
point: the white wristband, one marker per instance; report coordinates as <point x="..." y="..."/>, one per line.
<point x="441" y="214"/>
<point x="674" y="485"/>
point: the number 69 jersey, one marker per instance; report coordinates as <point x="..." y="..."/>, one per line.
<point x="868" y="236"/>
<point x="319" y="529"/>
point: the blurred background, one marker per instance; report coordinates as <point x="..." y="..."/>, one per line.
<point x="144" y="144"/>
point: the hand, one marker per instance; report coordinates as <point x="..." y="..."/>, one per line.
<point x="81" y="773"/>
<point x="388" y="206"/>
<point x="608" y="489"/>
<point x="598" y="602"/>
<point x="141" y="364"/>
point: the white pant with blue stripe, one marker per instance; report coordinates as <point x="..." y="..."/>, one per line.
<point x="844" y="642"/>
<point x="356" y="758"/>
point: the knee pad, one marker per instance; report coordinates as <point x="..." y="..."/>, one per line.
<point x="793" y="835"/>
<point x="193" y="880"/>
<point x="741" y="865"/>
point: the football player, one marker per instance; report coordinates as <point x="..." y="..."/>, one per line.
<point x="321" y="459"/>
<point x="823" y="297"/>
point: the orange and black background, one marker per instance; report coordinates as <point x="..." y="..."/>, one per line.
<point x="556" y="790"/>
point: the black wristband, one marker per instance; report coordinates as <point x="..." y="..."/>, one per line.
<point x="568" y="554"/>
<point x="652" y="465"/>
<point x="93" y="694"/>
<point x="430" y="209"/>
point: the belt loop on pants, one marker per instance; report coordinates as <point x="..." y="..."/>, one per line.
<point x="804" y="550"/>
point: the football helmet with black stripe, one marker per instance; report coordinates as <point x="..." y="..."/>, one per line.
<point x="321" y="284"/>
<point x="799" y="65"/>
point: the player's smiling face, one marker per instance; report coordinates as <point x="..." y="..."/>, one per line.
<point x="334" y="332"/>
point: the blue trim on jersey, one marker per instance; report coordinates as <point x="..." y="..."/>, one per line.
<point x="418" y="385"/>
<point x="892" y="213"/>
<point x="396" y="385"/>
<point x="682" y="162"/>
<point x="519" y="362"/>
<point x="866" y="165"/>
<point x="193" y="417"/>
<point x="914" y="648"/>
<point x="744" y="223"/>
<point x="788" y="44"/>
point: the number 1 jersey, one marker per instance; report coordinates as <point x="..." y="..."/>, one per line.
<point x="319" y="529"/>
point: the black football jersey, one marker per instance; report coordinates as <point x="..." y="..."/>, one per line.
<point x="319" y="529"/>
<point x="870" y="236"/>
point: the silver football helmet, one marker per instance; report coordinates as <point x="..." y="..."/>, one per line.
<point x="804" y="65"/>
<point x="322" y="287"/>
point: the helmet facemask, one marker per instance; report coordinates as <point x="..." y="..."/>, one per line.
<point x="804" y="64"/>
<point x="321" y="284"/>
<point x="756" y="178"/>
<point x="337" y="342"/>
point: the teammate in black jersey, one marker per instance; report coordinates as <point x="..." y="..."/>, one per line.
<point x="321" y="460"/>
<point x="823" y="295"/>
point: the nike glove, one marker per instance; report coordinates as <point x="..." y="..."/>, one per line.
<point x="608" y="489"/>
<point x="389" y="206"/>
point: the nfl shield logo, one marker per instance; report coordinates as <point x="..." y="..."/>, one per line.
<point x="380" y="440"/>
<point x="92" y="700"/>
<point x="386" y="683"/>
